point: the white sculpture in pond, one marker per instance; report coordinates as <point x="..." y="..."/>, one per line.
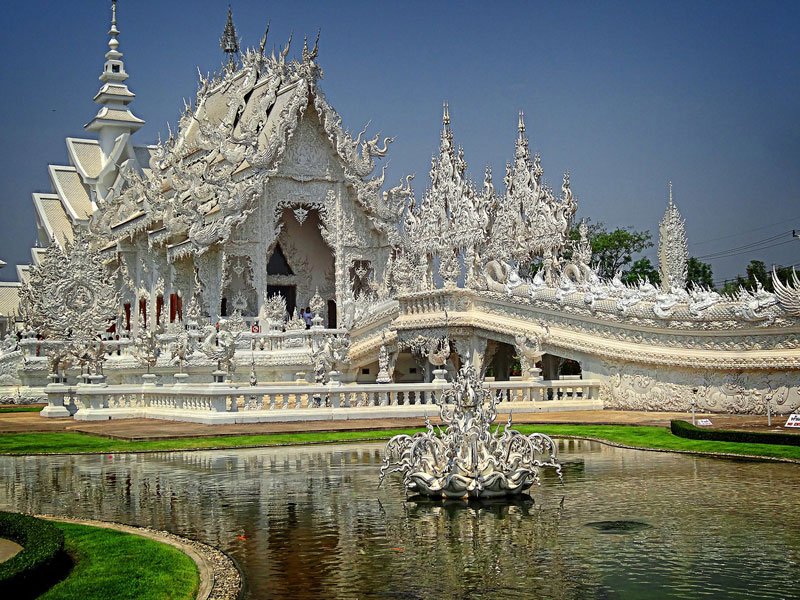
<point x="468" y="459"/>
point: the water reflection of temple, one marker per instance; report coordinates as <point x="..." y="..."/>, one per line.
<point x="309" y="521"/>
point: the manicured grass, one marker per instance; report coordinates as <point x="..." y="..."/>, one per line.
<point x="14" y="408"/>
<point x="76" y="443"/>
<point x="661" y="438"/>
<point x="636" y="436"/>
<point x="113" y="564"/>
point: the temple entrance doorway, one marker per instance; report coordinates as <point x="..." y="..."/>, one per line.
<point x="559" y="367"/>
<point x="503" y="362"/>
<point x="332" y="314"/>
<point x="289" y="293"/>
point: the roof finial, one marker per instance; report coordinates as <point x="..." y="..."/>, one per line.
<point x="521" y="124"/>
<point x="445" y="114"/>
<point x="309" y="56"/>
<point x="113" y="43"/>
<point x="670" y="193"/>
<point x="114" y="68"/>
<point x="229" y="42"/>
<point x="264" y="40"/>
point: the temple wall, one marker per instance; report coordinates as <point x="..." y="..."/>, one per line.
<point x="632" y="386"/>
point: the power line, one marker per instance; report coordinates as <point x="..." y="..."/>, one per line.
<point x="751" y="247"/>
<point x="721" y="282"/>
<point x="731" y="235"/>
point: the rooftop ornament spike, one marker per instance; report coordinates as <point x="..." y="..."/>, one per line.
<point x="229" y="42"/>
<point x="263" y="43"/>
<point x="310" y="55"/>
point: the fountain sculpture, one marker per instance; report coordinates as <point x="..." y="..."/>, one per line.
<point x="467" y="459"/>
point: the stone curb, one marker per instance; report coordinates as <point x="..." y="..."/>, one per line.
<point x="219" y="577"/>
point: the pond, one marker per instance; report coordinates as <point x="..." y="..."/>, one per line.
<point x="309" y="522"/>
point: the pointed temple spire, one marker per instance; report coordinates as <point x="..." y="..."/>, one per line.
<point x="114" y="116"/>
<point x="521" y="124"/>
<point x="229" y="42"/>
<point x="447" y="133"/>
<point x="673" y="250"/>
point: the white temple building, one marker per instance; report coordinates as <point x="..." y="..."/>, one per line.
<point x="262" y="233"/>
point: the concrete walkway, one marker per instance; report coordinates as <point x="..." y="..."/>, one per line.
<point x="150" y="429"/>
<point x="8" y="549"/>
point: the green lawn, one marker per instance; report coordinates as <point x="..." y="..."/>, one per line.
<point x="77" y="443"/>
<point x="636" y="436"/>
<point x="13" y="408"/>
<point x="113" y="564"/>
<point x="661" y="438"/>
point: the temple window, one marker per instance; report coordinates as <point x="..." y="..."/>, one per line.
<point x="159" y="308"/>
<point x="175" y="308"/>
<point x="277" y="264"/>
<point x="143" y="310"/>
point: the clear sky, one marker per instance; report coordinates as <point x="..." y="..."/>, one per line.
<point x="624" y="95"/>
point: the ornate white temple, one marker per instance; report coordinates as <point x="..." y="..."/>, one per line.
<point x="262" y="234"/>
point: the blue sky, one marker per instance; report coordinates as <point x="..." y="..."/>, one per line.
<point x="624" y="95"/>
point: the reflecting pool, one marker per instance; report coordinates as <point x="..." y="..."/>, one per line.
<point x="309" y="522"/>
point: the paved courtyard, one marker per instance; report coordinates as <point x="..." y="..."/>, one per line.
<point x="142" y="429"/>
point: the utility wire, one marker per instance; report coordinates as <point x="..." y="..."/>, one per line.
<point x="732" y="235"/>
<point x="721" y="282"/>
<point x="753" y="246"/>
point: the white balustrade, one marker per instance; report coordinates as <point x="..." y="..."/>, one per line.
<point x="241" y="403"/>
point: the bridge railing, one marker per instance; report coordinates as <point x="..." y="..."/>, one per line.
<point x="99" y="401"/>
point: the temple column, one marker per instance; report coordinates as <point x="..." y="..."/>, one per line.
<point x="550" y="366"/>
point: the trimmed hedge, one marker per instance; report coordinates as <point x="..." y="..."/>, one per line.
<point x="687" y="430"/>
<point x="40" y="563"/>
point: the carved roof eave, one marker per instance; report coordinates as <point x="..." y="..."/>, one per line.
<point x="136" y="223"/>
<point x="108" y="251"/>
<point x="179" y="250"/>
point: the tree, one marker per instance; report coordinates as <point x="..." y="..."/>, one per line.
<point x="699" y="273"/>
<point x="613" y="250"/>
<point x="642" y="269"/>
<point x="757" y="273"/>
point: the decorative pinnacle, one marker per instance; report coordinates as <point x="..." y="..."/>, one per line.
<point x="229" y="42"/>
<point x="445" y="114"/>
<point x="113" y="43"/>
<point x="263" y="43"/>
<point x="670" y="193"/>
<point x="309" y="56"/>
<point x="521" y="122"/>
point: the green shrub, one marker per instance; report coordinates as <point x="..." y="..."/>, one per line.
<point x="39" y="564"/>
<point x="687" y="430"/>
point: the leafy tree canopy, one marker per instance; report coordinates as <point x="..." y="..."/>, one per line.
<point x="613" y="251"/>
<point x="757" y="272"/>
<point x="642" y="269"/>
<point x="699" y="273"/>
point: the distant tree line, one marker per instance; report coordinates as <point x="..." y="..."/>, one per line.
<point x="616" y="251"/>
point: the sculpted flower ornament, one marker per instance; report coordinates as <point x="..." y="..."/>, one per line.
<point x="468" y="459"/>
